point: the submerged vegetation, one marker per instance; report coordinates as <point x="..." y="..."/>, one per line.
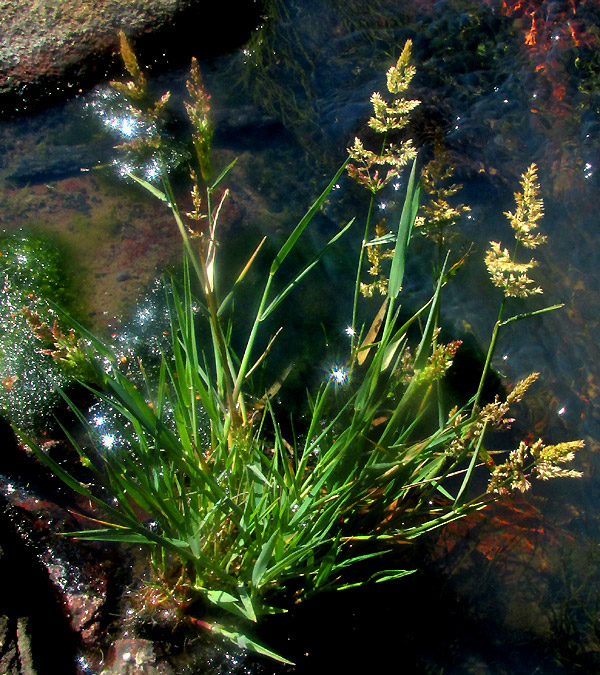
<point x="32" y="278"/>
<point x="241" y="506"/>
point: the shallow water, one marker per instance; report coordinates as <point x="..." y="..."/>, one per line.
<point x="504" y="84"/>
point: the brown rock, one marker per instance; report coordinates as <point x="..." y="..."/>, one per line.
<point x="49" y="46"/>
<point x="48" y="37"/>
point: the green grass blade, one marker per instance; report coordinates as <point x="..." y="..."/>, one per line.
<point x="432" y="321"/>
<point x="389" y="575"/>
<point x="222" y="175"/>
<point x="227" y="602"/>
<point x="299" y="229"/>
<point x="407" y="219"/>
<point x="469" y="472"/>
<point x="54" y="466"/>
<point x="159" y="194"/>
<point x="263" y="560"/>
<point x="244" y="642"/>
<point x="290" y="287"/>
<point x="109" y="534"/>
<point x="527" y="315"/>
<point x="229" y="297"/>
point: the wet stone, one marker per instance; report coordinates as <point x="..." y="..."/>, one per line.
<point x="83" y="610"/>
<point x="8" y="647"/>
<point x="134" y="656"/>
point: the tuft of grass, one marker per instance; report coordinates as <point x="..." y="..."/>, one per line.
<point x="242" y="513"/>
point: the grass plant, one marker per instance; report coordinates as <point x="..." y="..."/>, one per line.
<point x="234" y="509"/>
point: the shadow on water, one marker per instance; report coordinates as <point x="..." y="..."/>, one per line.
<point x="32" y="621"/>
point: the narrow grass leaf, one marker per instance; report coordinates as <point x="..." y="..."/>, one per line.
<point x="299" y="229"/>
<point x="427" y="338"/>
<point x="263" y="560"/>
<point x="222" y="175"/>
<point x="389" y="575"/>
<point x="372" y="334"/>
<point x="407" y="219"/>
<point x="244" y="642"/>
<point x="290" y="287"/>
<point x="472" y="463"/>
<point x="56" y="468"/>
<point x="360" y="558"/>
<point x="109" y="534"/>
<point x="227" y="602"/>
<point x="247" y="602"/>
<point x="148" y="186"/>
<point x="229" y="297"/>
<point x="527" y="315"/>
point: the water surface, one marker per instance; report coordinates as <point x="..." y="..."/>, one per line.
<point x="503" y="84"/>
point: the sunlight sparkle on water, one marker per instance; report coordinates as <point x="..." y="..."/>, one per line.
<point x="108" y="441"/>
<point x="152" y="171"/>
<point x="144" y="315"/>
<point x="83" y="664"/>
<point x="126" y="125"/>
<point x="339" y="375"/>
<point x="123" y="167"/>
<point x="98" y="420"/>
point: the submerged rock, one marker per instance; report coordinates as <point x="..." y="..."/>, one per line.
<point x="45" y="38"/>
<point x="46" y="45"/>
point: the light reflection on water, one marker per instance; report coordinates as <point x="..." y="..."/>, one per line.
<point x="496" y="90"/>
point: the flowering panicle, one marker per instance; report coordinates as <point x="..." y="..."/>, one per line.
<point x="375" y="255"/>
<point x="197" y="110"/>
<point x="458" y="444"/>
<point x="195" y="215"/>
<point x="66" y="348"/>
<point x="399" y="76"/>
<point x="526" y="461"/>
<point x="520" y="389"/>
<point x="438" y="363"/>
<point x="547" y="459"/>
<point x="509" y="275"/>
<point x="438" y="215"/>
<point x="141" y="104"/>
<point x="137" y="87"/>
<point x="505" y="272"/>
<point x="533" y="461"/>
<point x="511" y="475"/>
<point x="492" y="415"/>
<point x="530" y="209"/>
<point x="387" y="117"/>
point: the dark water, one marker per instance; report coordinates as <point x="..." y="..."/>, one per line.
<point x="504" y="84"/>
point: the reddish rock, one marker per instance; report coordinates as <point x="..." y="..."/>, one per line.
<point x="47" y="38"/>
<point x="49" y="46"/>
